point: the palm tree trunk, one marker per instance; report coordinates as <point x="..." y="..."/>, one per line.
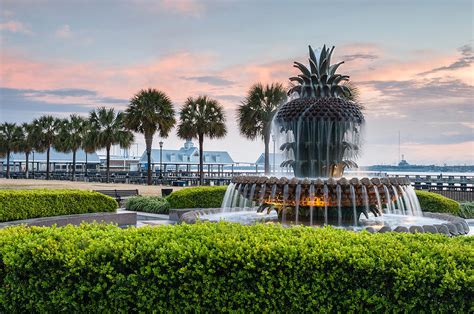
<point x="85" y="170"/>
<point x="8" y="164"/>
<point x="201" y="159"/>
<point x="148" y="142"/>
<point x="47" y="162"/>
<point x="266" y="138"/>
<point x="73" y="165"/>
<point x="107" y="172"/>
<point x="27" y="159"/>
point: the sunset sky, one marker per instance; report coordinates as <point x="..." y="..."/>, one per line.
<point x="412" y="60"/>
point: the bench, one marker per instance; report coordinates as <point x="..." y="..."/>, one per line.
<point x="119" y="195"/>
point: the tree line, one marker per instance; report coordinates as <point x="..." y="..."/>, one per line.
<point x="149" y="112"/>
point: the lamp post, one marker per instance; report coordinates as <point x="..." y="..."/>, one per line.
<point x="161" y="160"/>
<point x="273" y="138"/>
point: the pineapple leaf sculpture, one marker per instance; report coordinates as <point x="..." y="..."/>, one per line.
<point x="321" y="126"/>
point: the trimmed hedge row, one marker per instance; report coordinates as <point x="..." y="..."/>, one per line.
<point x="149" y="204"/>
<point x="223" y="267"/>
<point x="25" y="204"/>
<point x="467" y="210"/>
<point x="198" y="197"/>
<point x="436" y="203"/>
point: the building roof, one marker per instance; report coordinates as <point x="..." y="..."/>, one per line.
<point x="279" y="158"/>
<point x="54" y="156"/>
<point x="188" y="154"/>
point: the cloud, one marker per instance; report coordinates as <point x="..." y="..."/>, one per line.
<point x="187" y="7"/>
<point x="15" y="27"/>
<point x="193" y="8"/>
<point x="72" y="92"/>
<point x="435" y="88"/>
<point x="231" y="98"/>
<point x="60" y="101"/>
<point x="64" y="32"/>
<point x="467" y="57"/>
<point x="19" y="106"/>
<point x="212" y="80"/>
<point x="359" y="56"/>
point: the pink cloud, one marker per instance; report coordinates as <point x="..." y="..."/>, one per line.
<point x="193" y="8"/>
<point x="15" y="27"/>
<point x="187" y="7"/>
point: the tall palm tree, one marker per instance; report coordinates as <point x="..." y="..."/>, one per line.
<point x="107" y="129"/>
<point x="150" y="111"/>
<point x="71" y="138"/>
<point x="46" y="130"/>
<point x="88" y="141"/>
<point x="256" y="112"/>
<point x="10" y="136"/>
<point x="27" y="143"/>
<point x="201" y="117"/>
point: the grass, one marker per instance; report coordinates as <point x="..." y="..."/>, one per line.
<point x="23" y="184"/>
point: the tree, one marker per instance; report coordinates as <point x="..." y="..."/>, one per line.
<point x="88" y="141"/>
<point x="150" y="111"/>
<point x="10" y="136"/>
<point x="107" y="129"/>
<point x="256" y="112"/>
<point x="71" y="138"/>
<point x="27" y="143"/>
<point x="201" y="117"/>
<point x="46" y="130"/>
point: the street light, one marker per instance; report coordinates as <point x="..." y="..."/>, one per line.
<point x="161" y="160"/>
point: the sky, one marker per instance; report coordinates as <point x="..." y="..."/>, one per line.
<point x="411" y="60"/>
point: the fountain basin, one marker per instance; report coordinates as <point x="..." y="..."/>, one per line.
<point x="429" y="222"/>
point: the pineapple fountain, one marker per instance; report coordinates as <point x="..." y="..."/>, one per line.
<point x="319" y="134"/>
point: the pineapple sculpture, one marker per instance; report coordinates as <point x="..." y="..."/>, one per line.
<point x="321" y="125"/>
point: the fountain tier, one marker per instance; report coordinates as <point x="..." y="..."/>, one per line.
<point x="335" y="201"/>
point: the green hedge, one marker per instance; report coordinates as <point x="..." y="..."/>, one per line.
<point x="25" y="204"/>
<point x="198" y="197"/>
<point x="225" y="267"/>
<point x="150" y="204"/>
<point x="436" y="203"/>
<point x="467" y="210"/>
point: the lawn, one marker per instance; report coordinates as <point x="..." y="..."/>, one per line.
<point x="23" y="184"/>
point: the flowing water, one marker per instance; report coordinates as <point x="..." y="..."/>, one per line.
<point x="397" y="200"/>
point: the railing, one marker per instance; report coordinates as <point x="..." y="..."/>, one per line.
<point x="459" y="187"/>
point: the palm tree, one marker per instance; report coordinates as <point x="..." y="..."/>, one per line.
<point x="27" y="143"/>
<point x="10" y="136"/>
<point x="71" y="138"/>
<point x="150" y="111"/>
<point x="46" y="130"/>
<point x="88" y="141"/>
<point x="107" y="129"/>
<point x="198" y="118"/>
<point x="256" y="112"/>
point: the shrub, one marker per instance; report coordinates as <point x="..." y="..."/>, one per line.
<point x="436" y="203"/>
<point x="25" y="204"/>
<point x="198" y="197"/>
<point x="149" y="204"/>
<point x="225" y="267"/>
<point x="467" y="210"/>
